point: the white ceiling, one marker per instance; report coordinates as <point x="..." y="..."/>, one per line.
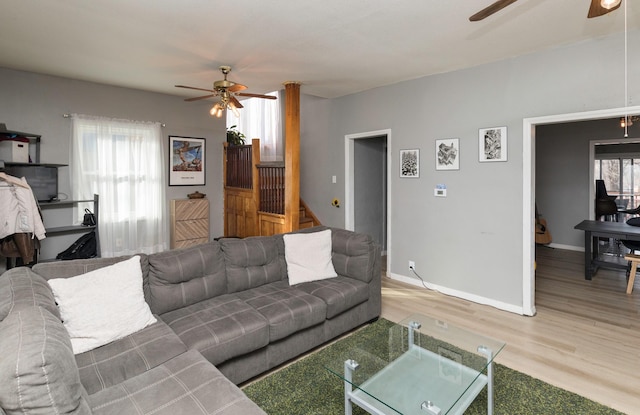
<point x="333" y="47"/>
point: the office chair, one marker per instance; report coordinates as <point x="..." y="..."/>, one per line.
<point x="605" y="205"/>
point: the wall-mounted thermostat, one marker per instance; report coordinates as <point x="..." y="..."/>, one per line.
<point x="440" y="190"/>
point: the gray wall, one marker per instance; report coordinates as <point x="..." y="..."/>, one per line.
<point x="471" y="241"/>
<point x="36" y="103"/>
<point x="370" y="171"/>
<point x="562" y="174"/>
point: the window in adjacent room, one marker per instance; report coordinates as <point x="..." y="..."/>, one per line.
<point x="621" y="177"/>
<point x="123" y="162"/>
<point x="261" y="118"/>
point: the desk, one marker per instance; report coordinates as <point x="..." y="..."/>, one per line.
<point x="593" y="230"/>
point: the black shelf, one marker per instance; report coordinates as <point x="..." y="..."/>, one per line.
<point x="69" y="229"/>
<point x="12" y="163"/>
<point x="32" y="138"/>
<point x="63" y="203"/>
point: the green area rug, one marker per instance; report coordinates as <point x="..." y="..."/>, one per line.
<point x="307" y="388"/>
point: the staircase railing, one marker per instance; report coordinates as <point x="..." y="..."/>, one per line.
<point x="239" y="167"/>
<point x="271" y="187"/>
<point x="254" y="198"/>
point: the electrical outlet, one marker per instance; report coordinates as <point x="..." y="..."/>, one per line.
<point x="412" y="265"/>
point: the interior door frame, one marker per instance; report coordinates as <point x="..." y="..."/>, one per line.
<point x="528" y="187"/>
<point x="349" y="187"/>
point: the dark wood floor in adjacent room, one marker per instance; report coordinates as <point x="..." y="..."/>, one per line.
<point x="584" y="338"/>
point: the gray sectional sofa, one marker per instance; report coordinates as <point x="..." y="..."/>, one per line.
<point x="225" y="313"/>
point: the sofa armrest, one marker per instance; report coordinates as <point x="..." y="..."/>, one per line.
<point x="22" y="288"/>
<point x="355" y="255"/>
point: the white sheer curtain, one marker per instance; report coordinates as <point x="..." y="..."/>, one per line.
<point x="123" y="162"/>
<point x="260" y="118"/>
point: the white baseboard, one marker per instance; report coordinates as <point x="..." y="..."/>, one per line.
<point x="460" y="294"/>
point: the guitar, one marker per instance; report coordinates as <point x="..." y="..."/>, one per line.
<point x="543" y="236"/>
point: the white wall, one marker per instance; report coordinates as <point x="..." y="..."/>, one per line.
<point x="470" y="243"/>
<point x="36" y="103"/>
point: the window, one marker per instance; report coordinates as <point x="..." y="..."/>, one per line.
<point x="621" y="177"/>
<point x="260" y="118"/>
<point x="123" y="162"/>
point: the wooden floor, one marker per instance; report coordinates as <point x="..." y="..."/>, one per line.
<point x="584" y="338"/>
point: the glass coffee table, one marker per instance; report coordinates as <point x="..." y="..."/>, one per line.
<point x="424" y="367"/>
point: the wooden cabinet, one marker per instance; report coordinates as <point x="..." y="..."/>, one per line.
<point x="189" y="222"/>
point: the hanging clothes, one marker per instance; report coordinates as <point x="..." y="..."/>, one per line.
<point x="20" y="219"/>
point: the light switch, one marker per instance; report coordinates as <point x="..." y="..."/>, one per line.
<point x="333" y="179"/>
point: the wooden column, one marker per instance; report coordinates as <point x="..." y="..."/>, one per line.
<point x="292" y="156"/>
<point x="255" y="160"/>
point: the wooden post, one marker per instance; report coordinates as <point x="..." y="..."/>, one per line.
<point x="225" y="198"/>
<point x="255" y="182"/>
<point x="292" y="157"/>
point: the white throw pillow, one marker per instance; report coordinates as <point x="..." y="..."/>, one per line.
<point x="308" y="256"/>
<point x="102" y="305"/>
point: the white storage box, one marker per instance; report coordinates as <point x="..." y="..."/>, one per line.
<point x="14" y="151"/>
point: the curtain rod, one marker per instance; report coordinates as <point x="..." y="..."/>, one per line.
<point x="69" y="116"/>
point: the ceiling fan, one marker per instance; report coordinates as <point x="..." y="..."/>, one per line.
<point x="227" y="91"/>
<point x="597" y="8"/>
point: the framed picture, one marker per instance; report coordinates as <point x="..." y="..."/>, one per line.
<point x="448" y="154"/>
<point x="410" y="163"/>
<point x="186" y="161"/>
<point x="493" y="144"/>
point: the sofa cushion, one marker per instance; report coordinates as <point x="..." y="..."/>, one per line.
<point x="38" y="372"/>
<point x="352" y="254"/>
<point x="181" y="277"/>
<point x="127" y="357"/>
<point x="220" y="328"/>
<point x="252" y="262"/>
<point x="67" y="269"/>
<point x="287" y="309"/>
<point x="186" y="384"/>
<point x="340" y="294"/>
<point x="102" y="305"/>
<point x="308" y="256"/>
<point x="20" y="288"/>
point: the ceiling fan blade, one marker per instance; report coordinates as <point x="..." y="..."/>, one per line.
<point x="596" y="9"/>
<point x="236" y="88"/>
<point x="491" y="9"/>
<point x="199" y="98"/>
<point x="236" y="102"/>
<point x="246" y="94"/>
<point x="192" y="87"/>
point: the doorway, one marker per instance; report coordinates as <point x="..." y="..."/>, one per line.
<point x="528" y="185"/>
<point x="368" y="186"/>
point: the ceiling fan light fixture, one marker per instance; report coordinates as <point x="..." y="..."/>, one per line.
<point x="623" y="122"/>
<point x="627" y="121"/>
<point x="609" y="4"/>
<point x="234" y="109"/>
<point x="217" y="110"/>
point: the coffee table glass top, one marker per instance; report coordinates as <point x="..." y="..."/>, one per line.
<point x="420" y="366"/>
